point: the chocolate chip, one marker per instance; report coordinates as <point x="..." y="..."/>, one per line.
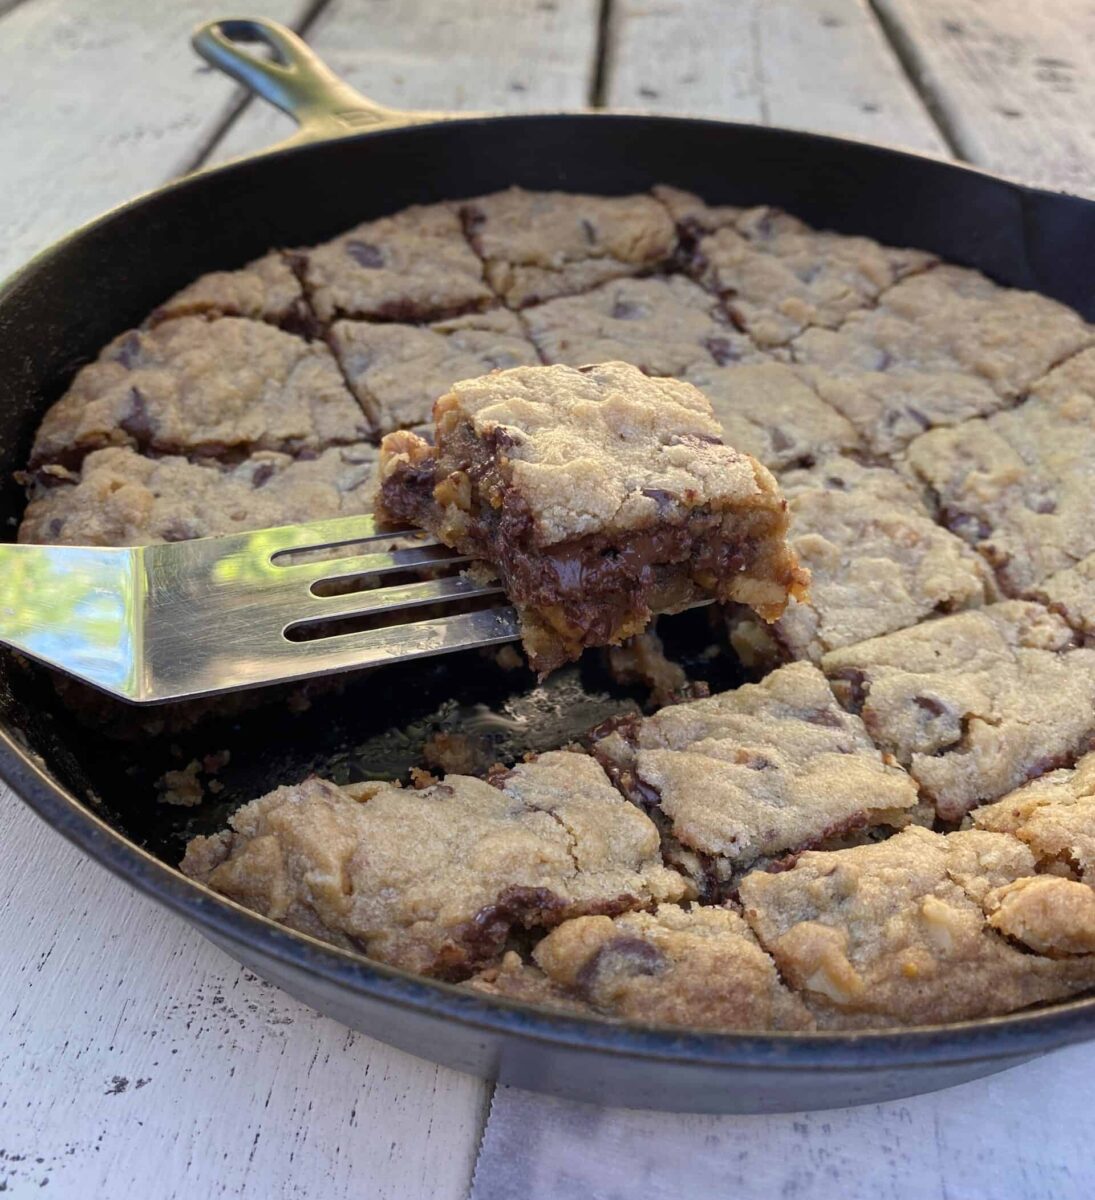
<point x="722" y="350"/>
<point x="823" y="717"/>
<point x="55" y="527"/>
<point x="695" y="439"/>
<point x="809" y="274"/>
<point x="138" y="422"/>
<point x="930" y="705"/>
<point x="968" y="526"/>
<point x="485" y="933"/>
<point x="737" y="318"/>
<point x="626" y="310"/>
<point x="764" y="228"/>
<point x="780" y="440"/>
<point x="263" y="473"/>
<point x="664" y="500"/>
<point x="883" y="361"/>
<point x="590" y="231"/>
<point x="1042" y="504"/>
<point x="129" y="350"/>
<point x="365" y="254"/>
<point x="855" y="688"/>
<point x="179" y="531"/>
<point x="626" y="725"/>
<point x="474" y="219"/>
<point x="625" y="956"/>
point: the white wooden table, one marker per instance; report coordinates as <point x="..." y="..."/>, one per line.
<point x="135" y="1059"/>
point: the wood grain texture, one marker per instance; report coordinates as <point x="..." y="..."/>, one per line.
<point x="812" y="64"/>
<point x="138" y="1060"/>
<point x="1024" y="1134"/>
<point x="460" y="55"/>
<point x="1011" y="80"/>
<point x="101" y="100"/>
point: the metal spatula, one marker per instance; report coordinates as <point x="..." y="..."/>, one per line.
<point x="166" y="622"/>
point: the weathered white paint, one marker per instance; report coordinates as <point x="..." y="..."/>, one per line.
<point x="136" y="1059"/>
<point x="811" y="64"/>
<point x="459" y="55"/>
<point x="1021" y="1135"/>
<point x="1013" y="81"/>
<point x="101" y="99"/>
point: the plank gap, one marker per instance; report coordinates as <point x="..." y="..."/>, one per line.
<point x="913" y="67"/>
<point x="598" y="83"/>
<point x="239" y="105"/>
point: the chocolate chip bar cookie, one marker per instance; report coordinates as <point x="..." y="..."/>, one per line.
<point x="203" y="388"/>
<point x="777" y="276"/>
<point x="698" y="968"/>
<point x="414" y="265"/>
<point x="768" y="411"/>
<point x="940" y="348"/>
<point x="538" y="245"/>
<point x="398" y="371"/>
<point x="265" y="290"/>
<point x="973" y="704"/>
<point x="877" y="562"/>
<point x="755" y="773"/>
<point x="1015" y="484"/>
<point x="118" y="497"/>
<point x="599" y="496"/>
<point x="897" y="933"/>
<point x="436" y="879"/>
<point x="662" y="326"/>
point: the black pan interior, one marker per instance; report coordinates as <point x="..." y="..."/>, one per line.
<point x="57" y="314"/>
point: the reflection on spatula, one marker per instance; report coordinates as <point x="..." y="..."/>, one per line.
<point x="167" y="622"/>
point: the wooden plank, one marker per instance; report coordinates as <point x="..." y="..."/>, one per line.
<point x="138" y="1060"/>
<point x="1011" y="80"/>
<point x="810" y="64"/>
<point x="1021" y="1135"/>
<point x="461" y="55"/>
<point x="101" y="99"/>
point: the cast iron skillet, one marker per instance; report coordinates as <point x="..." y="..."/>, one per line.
<point x="352" y="160"/>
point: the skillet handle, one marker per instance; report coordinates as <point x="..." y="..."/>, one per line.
<point x="297" y="81"/>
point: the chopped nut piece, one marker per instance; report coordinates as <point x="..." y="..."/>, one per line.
<point x="1054" y="816"/>
<point x="1047" y="914"/>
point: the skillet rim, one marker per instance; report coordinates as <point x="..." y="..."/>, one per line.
<point x="1004" y="1037"/>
